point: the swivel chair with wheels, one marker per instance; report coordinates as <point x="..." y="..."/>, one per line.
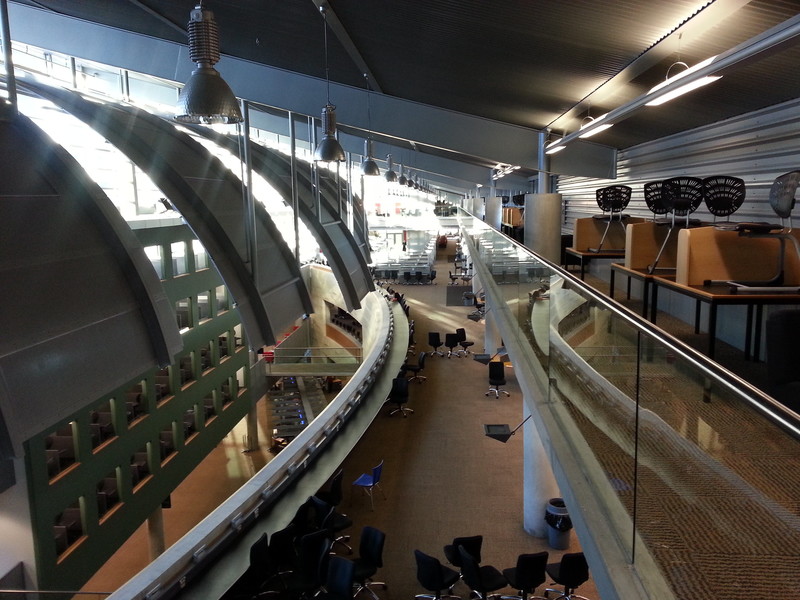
<point x="527" y="575"/>
<point x="311" y="565"/>
<point x="339" y="580"/>
<point x="399" y="396"/>
<point x="416" y="370"/>
<point x="435" y="342"/>
<point x="481" y="579"/>
<point x="434" y="577"/>
<point x="370" y="559"/>
<point x="612" y="200"/>
<point x="471" y="543"/>
<point x="333" y="497"/>
<point x="463" y="342"/>
<point x="497" y="377"/>
<point x="571" y="572"/>
<point x="451" y="341"/>
<point x="453" y="278"/>
<point x="369" y="482"/>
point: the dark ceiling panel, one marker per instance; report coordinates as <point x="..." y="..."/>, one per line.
<point x="514" y="61"/>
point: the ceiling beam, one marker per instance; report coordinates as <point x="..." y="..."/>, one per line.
<point x="346" y="41"/>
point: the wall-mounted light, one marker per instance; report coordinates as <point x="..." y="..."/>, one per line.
<point x="328" y="149"/>
<point x="205" y="98"/>
<point x="594" y="126"/>
<point x="679" y="91"/>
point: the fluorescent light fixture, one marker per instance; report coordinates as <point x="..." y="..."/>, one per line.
<point x="692" y="85"/>
<point x="553" y="148"/>
<point x="592" y="128"/>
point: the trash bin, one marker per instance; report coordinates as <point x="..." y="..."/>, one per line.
<point x="557" y="518"/>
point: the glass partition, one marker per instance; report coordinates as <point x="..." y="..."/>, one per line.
<point x="690" y="465"/>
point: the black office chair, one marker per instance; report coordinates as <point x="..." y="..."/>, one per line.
<point x="471" y="543"/>
<point x="260" y="577"/>
<point x="527" y="575"/>
<point x="311" y="565"/>
<point x="463" y="342"/>
<point x="417" y="369"/>
<point x="435" y="342"/>
<point x="407" y="277"/>
<point x="339" y="580"/>
<point x="434" y="577"/>
<point x="783" y="328"/>
<point x="612" y="200"/>
<point x="338" y="522"/>
<point x="481" y="579"/>
<point x="497" y="377"/>
<point x="682" y="196"/>
<point x="571" y="572"/>
<point x="370" y="559"/>
<point x="451" y="341"/>
<point x="419" y="277"/>
<point x="453" y="278"/>
<point x="399" y="395"/>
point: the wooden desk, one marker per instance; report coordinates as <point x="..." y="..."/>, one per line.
<point x="585" y="257"/>
<point x="720" y="295"/>
<point x="649" y="291"/>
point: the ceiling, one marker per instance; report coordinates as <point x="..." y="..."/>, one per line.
<point x="531" y="63"/>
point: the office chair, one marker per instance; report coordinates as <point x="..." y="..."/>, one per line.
<point x="435" y="342"/>
<point x="332" y="520"/>
<point x="471" y="544"/>
<point x="481" y="579"/>
<point x="257" y="579"/>
<point x="463" y="342"/>
<point x="527" y="575"/>
<point x="419" y="277"/>
<point x="571" y="572"/>
<point x="417" y="369"/>
<point x="682" y="196"/>
<point x="723" y="196"/>
<point x="451" y="341"/>
<point x="453" y="278"/>
<point x="311" y="565"/>
<point x="339" y="580"/>
<point x="399" y="396"/>
<point x="370" y="559"/>
<point x="407" y="277"/>
<point x="612" y="200"/>
<point x="497" y="377"/>
<point x="434" y="577"/>
<point x="369" y="482"/>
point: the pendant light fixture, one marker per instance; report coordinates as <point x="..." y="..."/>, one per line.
<point x="329" y="149"/>
<point x="402" y="179"/>
<point x="390" y="175"/>
<point x="369" y="167"/>
<point x="205" y="98"/>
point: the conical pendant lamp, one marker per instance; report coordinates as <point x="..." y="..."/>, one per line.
<point x="328" y="149"/>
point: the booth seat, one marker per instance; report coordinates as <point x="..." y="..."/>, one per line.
<point x="707" y="253"/>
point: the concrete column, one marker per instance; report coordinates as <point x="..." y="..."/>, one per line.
<point x="539" y="484"/>
<point x="543" y="225"/>
<point x="251" y="442"/>
<point x="155" y="533"/>
<point x="491" y="335"/>
<point x="494" y="212"/>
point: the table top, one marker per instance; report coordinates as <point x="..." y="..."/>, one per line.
<point x="641" y="273"/>
<point x="721" y="293"/>
<point x="600" y="254"/>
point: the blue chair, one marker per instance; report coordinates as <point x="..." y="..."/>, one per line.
<point x="368" y="482"/>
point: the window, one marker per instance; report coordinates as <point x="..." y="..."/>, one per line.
<point x="200" y="256"/>
<point x="68" y="527"/>
<point x="203" y="306"/>
<point x="183" y="313"/>
<point x="107" y="493"/>
<point x="136" y="401"/>
<point x="166" y="438"/>
<point x="222" y="299"/>
<point x="156" y="259"/>
<point x="60" y="449"/>
<point x="140" y="466"/>
<point x="179" y="263"/>
<point x="101" y="424"/>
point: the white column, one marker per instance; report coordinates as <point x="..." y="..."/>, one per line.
<point x="539" y="484"/>
<point x="543" y="225"/>
<point x="494" y="211"/>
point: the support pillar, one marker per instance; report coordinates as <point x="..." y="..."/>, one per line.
<point x="539" y="483"/>
<point x="155" y="533"/>
<point x="494" y="212"/>
<point x="543" y="225"/>
<point x="491" y="335"/>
